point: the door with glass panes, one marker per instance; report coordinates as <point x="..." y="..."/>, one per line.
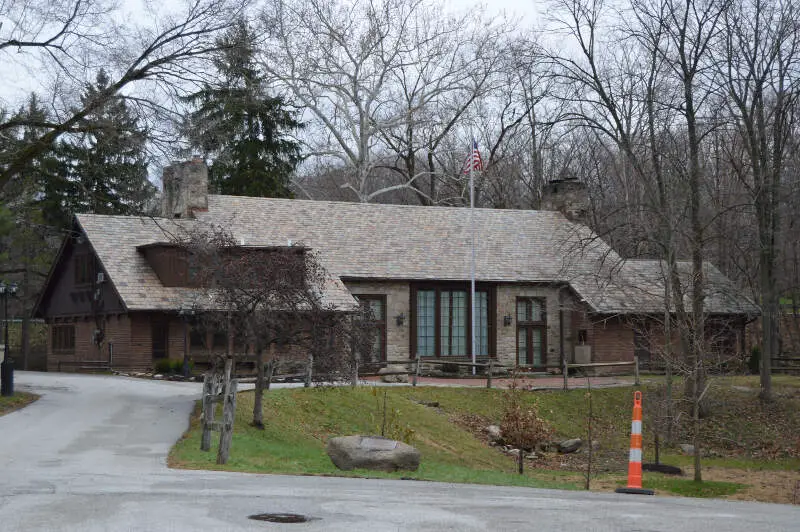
<point x="531" y="332"/>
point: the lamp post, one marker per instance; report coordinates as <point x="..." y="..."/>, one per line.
<point x="7" y="367"/>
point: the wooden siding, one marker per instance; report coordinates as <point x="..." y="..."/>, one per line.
<point x="169" y="264"/>
<point x="66" y="298"/>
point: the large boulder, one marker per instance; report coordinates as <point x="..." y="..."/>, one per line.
<point x="569" y="446"/>
<point x="393" y="378"/>
<point x="372" y="452"/>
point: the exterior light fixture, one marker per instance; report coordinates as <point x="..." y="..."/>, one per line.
<point x="400" y="319"/>
<point x="507" y="320"/>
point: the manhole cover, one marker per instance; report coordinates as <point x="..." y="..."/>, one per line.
<point x="280" y="518"/>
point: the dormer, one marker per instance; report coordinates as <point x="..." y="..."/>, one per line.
<point x="169" y="262"/>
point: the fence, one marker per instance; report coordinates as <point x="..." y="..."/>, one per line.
<point x="414" y="370"/>
<point x="786" y="364"/>
<point x="634" y="364"/>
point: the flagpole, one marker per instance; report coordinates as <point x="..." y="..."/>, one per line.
<point x="472" y="233"/>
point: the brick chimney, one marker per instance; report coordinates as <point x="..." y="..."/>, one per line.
<point x="569" y="196"/>
<point x="185" y="188"/>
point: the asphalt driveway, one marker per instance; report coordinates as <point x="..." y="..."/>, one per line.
<point x="90" y="455"/>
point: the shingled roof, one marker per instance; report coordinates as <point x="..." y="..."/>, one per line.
<point x="376" y="241"/>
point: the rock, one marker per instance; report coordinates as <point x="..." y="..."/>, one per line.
<point x="546" y="446"/>
<point x="158" y="377"/>
<point x="595" y="445"/>
<point x="495" y="435"/>
<point x="372" y="452"/>
<point x="570" y="446"/>
<point x="513" y="452"/>
<point x="662" y="468"/>
<point x="393" y="378"/>
<point x="532" y="456"/>
<point x="687" y="448"/>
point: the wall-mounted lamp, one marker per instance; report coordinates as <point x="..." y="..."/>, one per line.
<point x="400" y="319"/>
<point x="507" y="320"/>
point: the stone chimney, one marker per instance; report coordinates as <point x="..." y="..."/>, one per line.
<point x="569" y="196"/>
<point x="185" y="188"/>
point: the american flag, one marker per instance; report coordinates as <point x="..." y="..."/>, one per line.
<point x="474" y="161"/>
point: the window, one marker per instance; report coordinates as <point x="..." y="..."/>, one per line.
<point x="63" y="339"/>
<point x="219" y="340"/>
<point x="197" y="337"/>
<point x="84" y="269"/>
<point x="442" y="322"/>
<point x="531" y="332"/>
<point x="426" y="322"/>
<point x="377" y="306"/>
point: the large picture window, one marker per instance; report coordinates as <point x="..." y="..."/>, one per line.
<point x="531" y="332"/>
<point x="442" y="321"/>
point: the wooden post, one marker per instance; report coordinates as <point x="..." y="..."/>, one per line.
<point x="228" y="414"/>
<point x="489" y="373"/>
<point x="416" y="373"/>
<point x="355" y="373"/>
<point x="636" y="369"/>
<point x="308" y="371"/>
<point x="208" y="412"/>
<point x="269" y="372"/>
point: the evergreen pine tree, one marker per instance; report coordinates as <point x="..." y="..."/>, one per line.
<point x="245" y="132"/>
<point x="43" y="185"/>
<point x="107" y="165"/>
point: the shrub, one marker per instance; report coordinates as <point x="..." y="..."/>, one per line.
<point x="162" y="366"/>
<point x="521" y="426"/>
<point x="166" y="366"/>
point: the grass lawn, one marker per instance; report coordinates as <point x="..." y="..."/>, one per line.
<point x="16" y="401"/>
<point x="299" y="422"/>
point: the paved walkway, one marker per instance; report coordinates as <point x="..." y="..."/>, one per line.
<point x="90" y="456"/>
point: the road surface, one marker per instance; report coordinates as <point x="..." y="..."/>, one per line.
<point x="90" y="455"/>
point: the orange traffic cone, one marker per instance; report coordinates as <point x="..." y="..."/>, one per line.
<point x="635" y="457"/>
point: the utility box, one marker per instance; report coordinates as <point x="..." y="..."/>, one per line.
<point x="583" y="354"/>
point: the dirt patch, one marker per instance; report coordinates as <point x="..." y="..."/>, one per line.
<point x="782" y="487"/>
<point x="763" y="486"/>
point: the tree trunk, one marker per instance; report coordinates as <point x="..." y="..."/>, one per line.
<point x="698" y="474"/>
<point x="258" y="407"/>
<point x="521" y="460"/>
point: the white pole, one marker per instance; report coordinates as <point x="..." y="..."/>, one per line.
<point x="472" y="232"/>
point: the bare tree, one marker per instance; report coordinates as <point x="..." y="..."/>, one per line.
<point x="272" y="298"/>
<point x="381" y="79"/>
<point x="761" y="86"/>
<point x="649" y="99"/>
